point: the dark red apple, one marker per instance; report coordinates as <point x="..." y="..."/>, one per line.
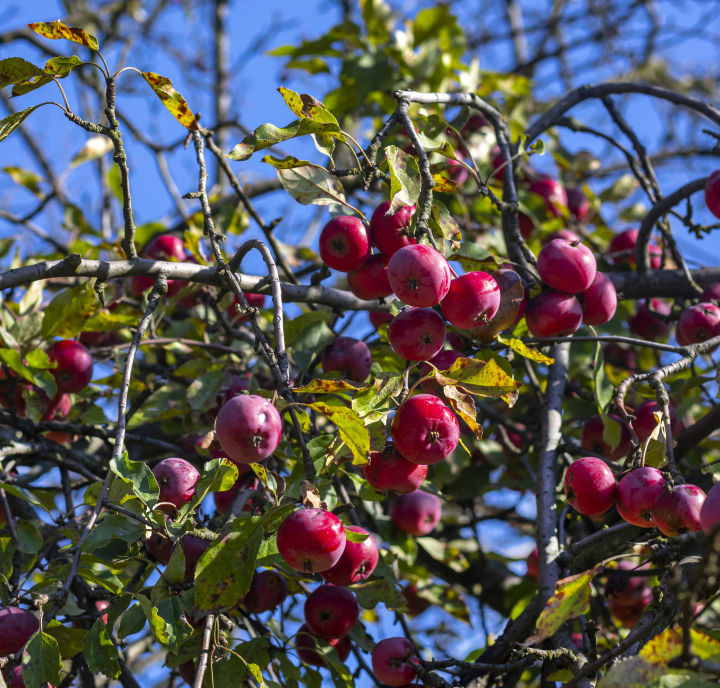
<point x="416" y="513"/>
<point x="645" y="325"/>
<point x="394" y="661"/>
<point x="331" y="611"/>
<point x="267" y="591"/>
<point x="590" y="486"/>
<point x="552" y="313"/>
<point x="74" y="366"/>
<point x="592" y="438"/>
<point x="622" y="249"/>
<point x="348" y="356"/>
<point x="248" y="428"/>
<point x="177" y="479"/>
<point x="306" y="642"/>
<point x="357" y="561"/>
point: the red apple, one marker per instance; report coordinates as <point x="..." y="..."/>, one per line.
<point x="590" y="486"/>
<point x="394" y="661"/>
<point x="16" y="627"/>
<point x="472" y="300"/>
<point x="357" y="561"/>
<point x="267" y="591"/>
<point x="698" y="324"/>
<point x="567" y="266"/>
<point x="417" y="334"/>
<point x="710" y="512"/>
<point x="712" y="193"/>
<point x="248" y="428"/>
<point x="636" y="494"/>
<point x="592" y="438"/>
<point x="622" y="249"/>
<point x="370" y="281"/>
<point x="176" y="478"/>
<point x="711" y="293"/>
<point x="390" y="472"/>
<point x="311" y="540"/>
<point x="416" y="605"/>
<point x="345" y="243"/>
<point x="645" y="422"/>
<point x="348" y="356"/>
<point x="564" y="234"/>
<point x="378" y="318"/>
<point x="677" y="510"/>
<point x="331" y="611"/>
<point x="391" y="232"/>
<point x="306" y="642"/>
<point x="645" y="325"/>
<point x="254" y="301"/>
<point x="599" y="301"/>
<point x="419" y="275"/>
<point x="416" y="513"/>
<point x="74" y="366"/>
<point x="578" y="203"/>
<point x="552" y="313"/>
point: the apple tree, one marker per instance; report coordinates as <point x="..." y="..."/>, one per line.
<point x="272" y="479"/>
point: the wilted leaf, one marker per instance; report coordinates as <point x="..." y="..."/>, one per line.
<point x="464" y="406"/>
<point x="268" y="135"/>
<point x="312" y="185"/>
<point x="351" y="427"/>
<point x="325" y="387"/>
<point x="443" y="183"/>
<point x="571" y="599"/>
<point x="404" y="179"/>
<point x="310" y="496"/>
<point x="172" y="100"/>
<point x="478" y="377"/>
<point x="287" y="163"/>
<point x="57" y="29"/>
<point x="523" y="349"/>
<point x="55" y="67"/>
<point x="13" y="70"/>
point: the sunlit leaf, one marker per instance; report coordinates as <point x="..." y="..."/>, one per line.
<point x="172" y="100"/>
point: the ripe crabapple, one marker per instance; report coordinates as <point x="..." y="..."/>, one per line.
<point x="578" y="203"/>
<point x="698" y="323"/>
<point x="424" y="429"/>
<point x="552" y="313"/>
<point x="357" y="561"/>
<point x="378" y="318"/>
<point x="592" y="438"/>
<point x="161" y="247"/>
<point x="473" y="299"/>
<point x="622" y="249"/>
<point x="417" y="334"/>
<point x="177" y="479"/>
<point x="306" y="642"/>
<point x="533" y="564"/>
<point x="416" y="605"/>
<point x="311" y="540"/>
<point x="677" y="510"/>
<point x="159" y="547"/>
<point x="248" y="428"/>
<point x="712" y="193"/>
<point x="553" y="193"/>
<point x="564" y="234"/>
<point x="456" y="341"/>
<point x="268" y="590"/>
<point x="441" y="361"/>
<point x="711" y="293"/>
<point x="394" y="661"/>
<point x="58" y="410"/>
<point x="74" y="366"/>
<point x="526" y="225"/>
<point x="16" y="627"/>
<point x="223" y="500"/>
<point x="628" y="595"/>
<point x="645" y="325"/>
<point x="419" y="275"/>
<point x="645" y="422"/>
<point x="388" y="471"/>
<point x="620" y="356"/>
<point x="348" y="356"/>
<point x="629" y="614"/>
<point x="710" y="512"/>
<point x="345" y="243"/>
<point x="254" y="301"/>
<point x="416" y="513"/>
<point x="636" y="494"/>
<point x="599" y="301"/>
<point x="391" y="232"/>
<point x="590" y="486"/>
<point x="331" y="611"/>
<point x="567" y="266"/>
<point x="370" y="281"/>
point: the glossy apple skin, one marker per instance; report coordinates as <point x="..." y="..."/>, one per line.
<point x="472" y="300"/>
<point x="331" y="611"/>
<point x="416" y="605"/>
<point x="416" y="513"/>
<point x="645" y="325"/>
<point x="553" y="192"/>
<point x="16" y="627"/>
<point x="378" y="318"/>
<point x="392" y="661"/>
<point x="592" y="438"/>
<point x="311" y="540"/>
<point x="710" y="512"/>
<point x="564" y="234"/>
<point x="390" y="232"/>
<point x="389" y="471"/>
<point x="567" y="266"/>
<point x="622" y="249"/>
<point x="590" y="486"/>
<point x="357" y="561"/>
<point x="254" y="300"/>
<point x="74" y="366"/>
<point x="417" y="334"/>
<point x="419" y="275"/>
<point x="599" y="301"/>
<point x="306" y="652"/>
<point x="268" y="590"/>
<point x="699" y="323"/>
<point x="620" y="356"/>
<point x="578" y="203"/>
<point x="349" y="356"/>
<point x="645" y="422"/>
<point x="552" y="313"/>
<point x="636" y="494"/>
<point x="712" y="193"/>
<point x="248" y="428"/>
<point x="711" y="293"/>
<point x="177" y="479"/>
<point x="161" y="247"/>
<point x="677" y="511"/>
<point x="442" y="361"/>
<point x="344" y="243"/>
<point x="370" y="281"/>
<point x="424" y="429"/>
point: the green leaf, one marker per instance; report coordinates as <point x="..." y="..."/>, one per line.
<point x="137" y="474"/>
<point x="179" y="630"/>
<point x="603" y="386"/>
<point x="13" y="70"/>
<point x="224" y="572"/>
<point x="100" y="653"/>
<point x="41" y="661"/>
<point x="351" y="427"/>
<point x="133" y="622"/>
<point x="571" y="599"/>
<point x="113" y="526"/>
<point x="10" y="123"/>
<point x="404" y="179"/>
<point x="174" y="572"/>
<point x="30" y="540"/>
<point x="353" y="536"/>
<point x="268" y="135"/>
<point x="612" y="432"/>
<point x="57" y="29"/>
<point x="373" y="402"/>
<point x="218" y="475"/>
<point x="67" y="313"/>
<point x="159" y="627"/>
<point x="177" y="105"/>
<point x="69" y="640"/>
<point x="370" y="593"/>
<point x="377" y="18"/>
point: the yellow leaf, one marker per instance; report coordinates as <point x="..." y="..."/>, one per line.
<point x="351" y="427"/>
<point x="292" y="100"/>
<point x="325" y="387"/>
<point x="172" y="100"/>
<point x="57" y="29"/>
<point x="464" y="406"/>
<point x="481" y="378"/>
<point x="521" y="348"/>
<point x="444" y="184"/>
